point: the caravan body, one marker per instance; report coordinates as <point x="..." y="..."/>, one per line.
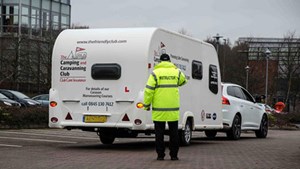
<point x="98" y="78"/>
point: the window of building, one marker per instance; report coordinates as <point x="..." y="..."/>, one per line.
<point x="65" y="19"/>
<point x="65" y="9"/>
<point x="26" y="2"/>
<point x="55" y="7"/>
<point x="106" y="71"/>
<point x="46" y="4"/>
<point x="213" y="79"/>
<point x="11" y="1"/>
<point x="197" y="70"/>
<point x="65" y="1"/>
<point x="36" y="3"/>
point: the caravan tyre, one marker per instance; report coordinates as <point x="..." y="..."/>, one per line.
<point x="107" y="136"/>
<point x="210" y="134"/>
<point x="186" y="134"/>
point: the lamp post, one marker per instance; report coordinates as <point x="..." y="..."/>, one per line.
<point x="247" y="75"/>
<point x="217" y="37"/>
<point x="267" y="53"/>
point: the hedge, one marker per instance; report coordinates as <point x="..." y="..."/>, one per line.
<point x="16" y="118"/>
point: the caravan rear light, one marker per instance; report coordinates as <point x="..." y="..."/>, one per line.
<point x="54" y="119"/>
<point x="53" y="103"/>
<point x="137" y="121"/>
<point x="225" y="101"/>
<point x="140" y="105"/>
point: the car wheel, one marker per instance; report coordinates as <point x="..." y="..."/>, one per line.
<point x="210" y="133"/>
<point x="186" y="134"/>
<point x="235" y="131"/>
<point x="263" y="129"/>
<point x="107" y="136"/>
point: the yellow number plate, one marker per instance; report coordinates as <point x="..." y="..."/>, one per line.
<point x="94" y="119"/>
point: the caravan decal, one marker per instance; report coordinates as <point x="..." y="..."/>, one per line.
<point x="73" y="66"/>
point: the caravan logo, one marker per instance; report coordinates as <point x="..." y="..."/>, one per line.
<point x="160" y="50"/>
<point x="80" y="54"/>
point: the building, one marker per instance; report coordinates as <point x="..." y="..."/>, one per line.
<point x="283" y="67"/>
<point x="28" y="29"/>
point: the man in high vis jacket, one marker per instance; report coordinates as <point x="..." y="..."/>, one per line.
<point x="163" y="94"/>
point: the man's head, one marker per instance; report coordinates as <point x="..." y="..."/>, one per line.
<point x="165" y="57"/>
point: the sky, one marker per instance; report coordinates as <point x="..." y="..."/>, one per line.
<point x="201" y="19"/>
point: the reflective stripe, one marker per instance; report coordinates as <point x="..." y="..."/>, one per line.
<point x="165" y="109"/>
<point x="167" y="86"/>
<point x="155" y="78"/>
<point x="147" y="105"/>
<point x="150" y="87"/>
<point x="178" y="77"/>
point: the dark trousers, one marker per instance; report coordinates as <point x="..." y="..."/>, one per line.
<point x="173" y="138"/>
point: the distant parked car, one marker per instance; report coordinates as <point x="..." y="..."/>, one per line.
<point x="241" y="113"/>
<point x="43" y="99"/>
<point x="24" y="100"/>
<point x="267" y="108"/>
<point x="5" y="101"/>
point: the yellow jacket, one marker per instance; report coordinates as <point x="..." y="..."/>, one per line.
<point x="162" y="92"/>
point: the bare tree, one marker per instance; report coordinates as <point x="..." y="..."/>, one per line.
<point x="289" y="64"/>
<point x="184" y="32"/>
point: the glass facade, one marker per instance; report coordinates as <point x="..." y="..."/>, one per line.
<point x="34" y="17"/>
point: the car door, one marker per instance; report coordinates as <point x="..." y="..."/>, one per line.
<point x="252" y="115"/>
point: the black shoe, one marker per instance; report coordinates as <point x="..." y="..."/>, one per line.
<point x="174" y="158"/>
<point x="160" y="158"/>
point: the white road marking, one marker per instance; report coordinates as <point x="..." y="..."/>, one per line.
<point x="8" y="145"/>
<point x="47" y="135"/>
<point x="40" y="140"/>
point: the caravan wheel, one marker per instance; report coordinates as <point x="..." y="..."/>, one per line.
<point x="186" y="134"/>
<point x="107" y="136"/>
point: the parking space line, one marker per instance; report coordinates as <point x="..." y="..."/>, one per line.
<point x="40" y="140"/>
<point x="9" y="145"/>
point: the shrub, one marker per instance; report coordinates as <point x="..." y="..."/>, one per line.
<point x="33" y="117"/>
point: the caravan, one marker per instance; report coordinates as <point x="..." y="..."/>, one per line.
<point x="98" y="78"/>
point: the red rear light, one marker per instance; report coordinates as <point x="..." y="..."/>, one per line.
<point x="225" y="101"/>
<point x="53" y="103"/>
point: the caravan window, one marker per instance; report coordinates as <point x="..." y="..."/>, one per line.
<point x="106" y="71"/>
<point x="197" y="70"/>
<point x="213" y="79"/>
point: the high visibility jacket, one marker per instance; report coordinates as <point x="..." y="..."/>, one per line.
<point x="162" y="92"/>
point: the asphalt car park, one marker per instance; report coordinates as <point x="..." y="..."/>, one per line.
<point x="55" y="148"/>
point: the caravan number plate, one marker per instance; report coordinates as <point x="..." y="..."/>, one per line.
<point x="94" y="119"/>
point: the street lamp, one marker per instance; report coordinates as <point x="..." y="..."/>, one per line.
<point x="247" y="75"/>
<point x="217" y="37"/>
<point x="267" y="53"/>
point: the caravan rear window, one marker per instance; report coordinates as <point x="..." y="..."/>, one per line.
<point x="110" y="71"/>
<point x="196" y="70"/>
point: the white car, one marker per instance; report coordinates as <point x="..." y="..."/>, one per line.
<point x="241" y="113"/>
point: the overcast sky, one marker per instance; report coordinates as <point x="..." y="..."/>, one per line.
<point x="200" y="18"/>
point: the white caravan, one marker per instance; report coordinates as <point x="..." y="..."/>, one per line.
<point x="98" y="78"/>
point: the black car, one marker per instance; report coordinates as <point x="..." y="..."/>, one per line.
<point x="5" y="101"/>
<point x="24" y="100"/>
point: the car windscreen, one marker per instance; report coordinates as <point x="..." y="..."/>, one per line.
<point x="2" y="96"/>
<point x="19" y="95"/>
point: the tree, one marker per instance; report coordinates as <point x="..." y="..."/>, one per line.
<point x="289" y="65"/>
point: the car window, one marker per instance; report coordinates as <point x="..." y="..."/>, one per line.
<point x="248" y="96"/>
<point x="2" y="96"/>
<point x="235" y="92"/>
<point x="7" y="94"/>
<point x="239" y="93"/>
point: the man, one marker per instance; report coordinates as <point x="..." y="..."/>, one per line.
<point x="162" y="92"/>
